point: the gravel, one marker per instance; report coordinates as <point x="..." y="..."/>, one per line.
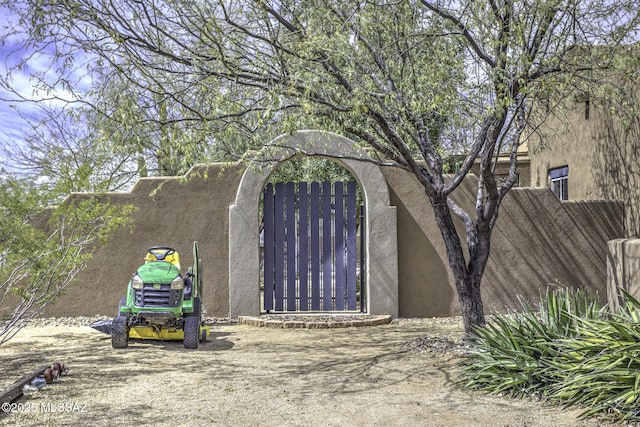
<point x="400" y="373"/>
<point x="427" y="322"/>
<point x="87" y="321"/>
<point x="448" y="344"/>
<point x="444" y="343"/>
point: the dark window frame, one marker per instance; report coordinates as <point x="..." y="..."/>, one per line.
<point x="559" y="182"/>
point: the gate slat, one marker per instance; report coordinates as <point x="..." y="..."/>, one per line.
<point x="327" y="254"/>
<point x="351" y="246"/>
<point x="279" y="245"/>
<point x="303" y="246"/>
<point x="315" y="245"/>
<point x="291" y="252"/>
<point x="361" y="259"/>
<point x="267" y="233"/>
<point x="339" y="245"/>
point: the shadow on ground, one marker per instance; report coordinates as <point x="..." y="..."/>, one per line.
<point x="247" y="375"/>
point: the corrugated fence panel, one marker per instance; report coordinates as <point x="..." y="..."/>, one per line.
<point x="327" y="253"/>
<point x="339" y="236"/>
<point x="315" y="246"/>
<point x="291" y="252"/>
<point x="278" y="243"/>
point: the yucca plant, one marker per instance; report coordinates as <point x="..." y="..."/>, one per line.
<point x="509" y="354"/>
<point x="571" y="351"/>
<point x="600" y="369"/>
<point x="504" y="357"/>
<point x="603" y="380"/>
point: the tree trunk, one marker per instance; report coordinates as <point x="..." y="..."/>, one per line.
<point x="470" y="299"/>
<point x="467" y="276"/>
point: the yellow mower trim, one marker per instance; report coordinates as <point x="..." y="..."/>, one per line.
<point x="148" y="333"/>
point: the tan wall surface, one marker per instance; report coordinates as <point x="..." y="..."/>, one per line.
<point x="569" y="141"/>
<point x="179" y="212"/>
<point x="537" y="241"/>
<point x="623" y="271"/>
<point x="602" y="152"/>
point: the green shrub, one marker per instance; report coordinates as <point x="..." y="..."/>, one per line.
<point x="571" y="351"/>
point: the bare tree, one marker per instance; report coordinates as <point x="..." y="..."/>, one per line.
<point x="415" y="80"/>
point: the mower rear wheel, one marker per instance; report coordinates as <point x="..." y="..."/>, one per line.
<point x="191" y="332"/>
<point x="120" y="332"/>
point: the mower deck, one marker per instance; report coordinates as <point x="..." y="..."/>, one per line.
<point x="148" y="333"/>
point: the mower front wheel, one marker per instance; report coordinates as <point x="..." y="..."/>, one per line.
<point x="122" y="303"/>
<point x="120" y="332"/>
<point x="191" y="332"/>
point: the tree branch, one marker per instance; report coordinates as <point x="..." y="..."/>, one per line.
<point x="465" y="31"/>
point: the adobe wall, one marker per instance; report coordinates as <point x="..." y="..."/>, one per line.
<point x="569" y="140"/>
<point x="623" y="271"/>
<point x="172" y="212"/>
<point x="601" y="150"/>
<point x="538" y="241"/>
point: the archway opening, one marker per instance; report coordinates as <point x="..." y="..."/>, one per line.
<point x="381" y="269"/>
<point x="311" y="239"/>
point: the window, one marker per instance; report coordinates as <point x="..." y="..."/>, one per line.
<point x="559" y="178"/>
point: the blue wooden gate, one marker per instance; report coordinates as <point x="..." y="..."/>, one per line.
<point x="310" y="259"/>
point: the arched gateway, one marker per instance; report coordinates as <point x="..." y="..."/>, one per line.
<point x="244" y="221"/>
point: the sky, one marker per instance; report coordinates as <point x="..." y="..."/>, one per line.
<point x="13" y="125"/>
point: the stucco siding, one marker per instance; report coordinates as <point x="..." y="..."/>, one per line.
<point x="538" y="241"/>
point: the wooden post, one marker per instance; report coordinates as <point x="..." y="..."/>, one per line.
<point x="15" y="390"/>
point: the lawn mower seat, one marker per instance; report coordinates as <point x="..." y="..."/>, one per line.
<point x="160" y="254"/>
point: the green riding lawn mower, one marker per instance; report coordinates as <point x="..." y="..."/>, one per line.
<point x="161" y="303"/>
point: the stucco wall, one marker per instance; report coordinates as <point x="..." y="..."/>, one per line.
<point x="537" y="241"/>
<point x="623" y="270"/>
<point x="172" y="212"/>
<point x="601" y="151"/>
<point x="568" y="139"/>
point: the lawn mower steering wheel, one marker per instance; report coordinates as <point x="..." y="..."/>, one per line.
<point x="167" y="251"/>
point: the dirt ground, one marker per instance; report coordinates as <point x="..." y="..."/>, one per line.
<point x="251" y="376"/>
